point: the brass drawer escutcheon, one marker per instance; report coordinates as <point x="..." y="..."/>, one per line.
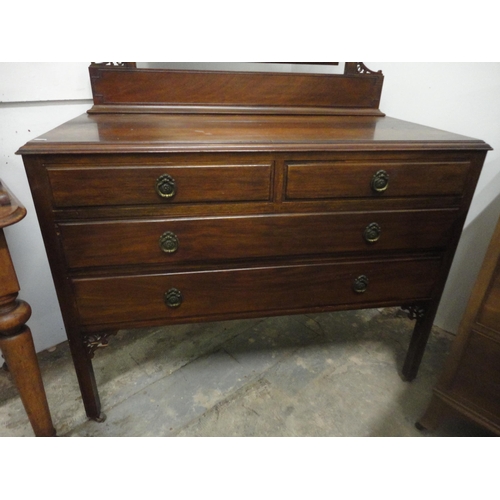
<point x="169" y="243"/>
<point x="173" y="298"/>
<point x="165" y="186"/>
<point x="380" y="181"/>
<point x="372" y="232"/>
<point x="360" y="284"/>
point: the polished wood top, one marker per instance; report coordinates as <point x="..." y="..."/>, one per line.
<point x="11" y="211"/>
<point x="129" y="133"/>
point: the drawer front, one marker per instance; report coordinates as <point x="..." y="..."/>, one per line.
<point x="129" y="299"/>
<point x="225" y="238"/>
<point x="336" y="179"/>
<point x="143" y="185"/>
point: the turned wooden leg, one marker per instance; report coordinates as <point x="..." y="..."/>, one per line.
<point x="16" y="343"/>
<point x="424" y="316"/>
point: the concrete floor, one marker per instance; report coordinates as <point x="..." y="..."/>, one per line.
<point x="334" y="374"/>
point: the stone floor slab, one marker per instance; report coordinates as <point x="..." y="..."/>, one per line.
<point x="333" y="374"/>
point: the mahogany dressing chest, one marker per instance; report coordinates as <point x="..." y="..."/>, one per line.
<point x="187" y="196"/>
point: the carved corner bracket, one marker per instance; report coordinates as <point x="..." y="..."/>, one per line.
<point x="358" y="68"/>
<point x="115" y="64"/>
<point x="95" y="341"/>
<point x="415" y="311"/>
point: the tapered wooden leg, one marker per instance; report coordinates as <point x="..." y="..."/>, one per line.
<point x="20" y="356"/>
<point x="82" y="359"/>
<point x="82" y="349"/>
<point x="424" y="317"/>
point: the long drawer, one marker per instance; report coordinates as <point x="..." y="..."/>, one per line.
<point x="352" y="179"/>
<point x="103" y="185"/>
<point x="204" y="294"/>
<point x="227" y="238"/>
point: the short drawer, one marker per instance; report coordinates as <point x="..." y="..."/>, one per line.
<point x="348" y="179"/>
<point x="142" y="185"/>
<point x="240" y="292"/>
<point x="230" y="238"/>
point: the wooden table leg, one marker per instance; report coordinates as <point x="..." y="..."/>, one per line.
<point x="20" y="356"/>
<point x="16" y="344"/>
<point x="16" y="341"/>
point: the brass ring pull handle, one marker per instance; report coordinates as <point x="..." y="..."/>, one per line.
<point x="380" y="181"/>
<point x="165" y="186"/>
<point x="169" y="243"/>
<point x="173" y="298"/>
<point x="360" y="284"/>
<point x="372" y="232"/>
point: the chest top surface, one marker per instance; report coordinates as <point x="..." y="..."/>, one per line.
<point x="144" y="110"/>
<point x="194" y="132"/>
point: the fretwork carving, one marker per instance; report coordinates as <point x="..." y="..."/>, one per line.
<point x="115" y="64"/>
<point x="415" y="311"/>
<point x="96" y="341"/>
<point x="358" y="68"/>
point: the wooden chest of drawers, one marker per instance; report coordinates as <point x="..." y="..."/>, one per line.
<point x="162" y="218"/>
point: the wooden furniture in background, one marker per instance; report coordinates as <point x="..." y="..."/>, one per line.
<point x="16" y="342"/>
<point x="187" y="196"/>
<point x="470" y="383"/>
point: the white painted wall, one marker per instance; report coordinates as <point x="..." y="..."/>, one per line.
<point x="459" y="97"/>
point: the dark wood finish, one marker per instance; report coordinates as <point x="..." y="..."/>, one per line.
<point x="265" y="236"/>
<point x="353" y="179"/>
<point x="259" y="291"/>
<point x="221" y="91"/>
<point x="16" y="341"/>
<point x="272" y="213"/>
<point x="470" y="383"/>
<point x="170" y="133"/>
<point x="195" y="183"/>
